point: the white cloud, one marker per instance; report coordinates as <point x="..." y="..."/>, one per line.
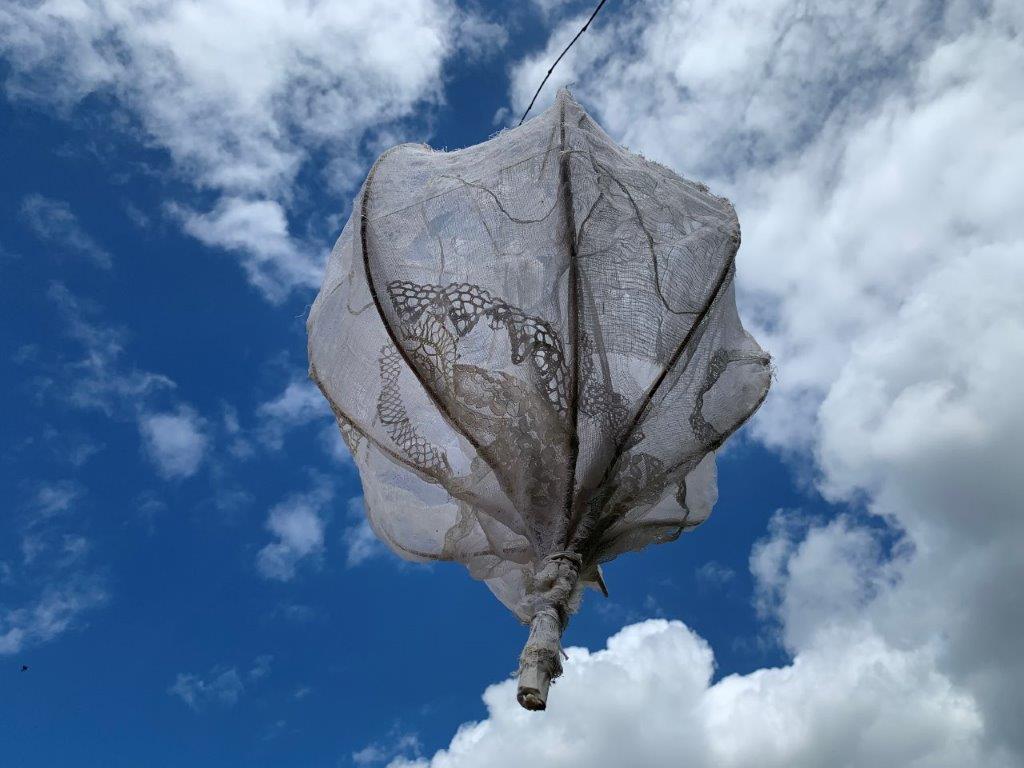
<point x="299" y="525"/>
<point x="55" y="224"/>
<point x="70" y="445"/>
<point x="257" y="231"/>
<point x="100" y="379"/>
<point x="55" y="498"/>
<point x="300" y="614"/>
<point x="550" y="7"/>
<point x="299" y="529"/>
<point x="379" y="752"/>
<point x="43" y="530"/>
<point x="6" y="255"/>
<point x="361" y="543"/>
<point x="239" y="444"/>
<point x="848" y="175"/>
<point x="812" y="577"/>
<point x="872" y="155"/>
<point x="174" y="439"/>
<point x="299" y="404"/>
<point x="58" y="608"/>
<point x="243" y="96"/>
<point x="334" y="444"/>
<point x="175" y="442"/>
<point x="222" y="686"/>
<point x="647" y="699"/>
<point x="57" y="587"/>
<point x="261" y="667"/>
<point x="714" y="574"/>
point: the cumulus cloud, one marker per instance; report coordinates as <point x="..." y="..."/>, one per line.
<point x="242" y="115"/>
<point x="257" y="231"/>
<point x="848" y="174"/>
<point x="175" y="442"/>
<point x="55" y="224"/>
<point x="925" y="420"/>
<point x="298" y="527"/>
<point x="871" y="154"/>
<point x="647" y="699"/>
<point x="813" y="576"/>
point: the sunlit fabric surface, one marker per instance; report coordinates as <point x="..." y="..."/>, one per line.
<point x="532" y="349"/>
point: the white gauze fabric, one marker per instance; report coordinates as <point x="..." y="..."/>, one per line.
<point x="532" y="349"/>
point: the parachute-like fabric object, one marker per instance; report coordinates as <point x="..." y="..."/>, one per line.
<point x="532" y="349"/>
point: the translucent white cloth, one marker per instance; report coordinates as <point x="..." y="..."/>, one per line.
<point x="533" y="351"/>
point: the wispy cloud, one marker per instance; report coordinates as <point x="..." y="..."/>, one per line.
<point x="361" y="543"/>
<point x="714" y="574"/>
<point x="41" y="531"/>
<point x="70" y="444"/>
<point x="56" y="497"/>
<point x="54" y="569"/>
<point x="239" y="444"/>
<point x="298" y="527"/>
<point x="59" y="607"/>
<point x="174" y="436"/>
<point x="56" y="225"/>
<point x="300" y="403"/>
<point x="7" y="255"/>
<point x="221" y="687"/>
<point x="295" y="612"/>
<point x="100" y="379"/>
<point x="242" y="116"/>
<point x="398" y="745"/>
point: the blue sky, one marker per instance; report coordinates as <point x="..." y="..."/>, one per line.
<point x="186" y="571"/>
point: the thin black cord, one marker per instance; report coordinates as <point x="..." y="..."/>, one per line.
<point x="552" y="69"/>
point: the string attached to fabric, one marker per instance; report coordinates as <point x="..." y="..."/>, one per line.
<point x="564" y="51"/>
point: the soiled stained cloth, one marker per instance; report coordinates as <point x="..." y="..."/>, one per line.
<point x="532" y="349"/>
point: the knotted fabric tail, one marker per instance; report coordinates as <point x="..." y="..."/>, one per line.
<point x="550" y="601"/>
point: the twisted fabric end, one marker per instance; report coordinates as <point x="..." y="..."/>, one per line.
<point x="549" y="602"/>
